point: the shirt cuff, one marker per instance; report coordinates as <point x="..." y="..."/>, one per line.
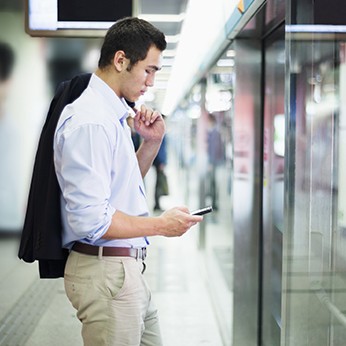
<point x="96" y="235"/>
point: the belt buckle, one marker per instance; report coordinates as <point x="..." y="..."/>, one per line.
<point x="141" y="253"/>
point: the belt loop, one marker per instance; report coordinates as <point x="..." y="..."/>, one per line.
<point x="100" y="252"/>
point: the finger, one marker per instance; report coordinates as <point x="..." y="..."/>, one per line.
<point x="137" y="116"/>
<point x="183" y="209"/>
<point x="137" y="120"/>
<point x="149" y="116"/>
<point x="146" y="114"/>
<point x="156" y="115"/>
<point x="196" y="218"/>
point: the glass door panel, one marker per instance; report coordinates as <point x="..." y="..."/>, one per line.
<point x="273" y="185"/>
<point x="314" y="294"/>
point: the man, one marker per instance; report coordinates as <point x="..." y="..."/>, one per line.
<point x="104" y="210"/>
<point x="216" y="157"/>
<point x="161" y="185"/>
<point x="7" y="60"/>
<point x="11" y="203"/>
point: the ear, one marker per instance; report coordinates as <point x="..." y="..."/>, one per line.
<point x="119" y="60"/>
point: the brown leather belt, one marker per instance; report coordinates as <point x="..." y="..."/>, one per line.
<point x="138" y="253"/>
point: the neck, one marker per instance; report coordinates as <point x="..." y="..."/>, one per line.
<point x="109" y="78"/>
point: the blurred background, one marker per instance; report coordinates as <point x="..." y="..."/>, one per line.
<point x="253" y="91"/>
<point x="39" y="65"/>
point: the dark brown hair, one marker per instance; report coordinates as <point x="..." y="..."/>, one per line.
<point x="132" y="35"/>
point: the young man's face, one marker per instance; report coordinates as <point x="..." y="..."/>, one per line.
<point x="137" y="80"/>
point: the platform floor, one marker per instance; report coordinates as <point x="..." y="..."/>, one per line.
<point x="36" y="312"/>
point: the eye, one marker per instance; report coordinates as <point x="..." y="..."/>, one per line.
<point x="150" y="70"/>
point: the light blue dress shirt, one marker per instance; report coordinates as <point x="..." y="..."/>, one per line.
<point x="96" y="167"/>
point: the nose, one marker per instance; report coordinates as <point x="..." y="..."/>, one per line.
<point x="150" y="80"/>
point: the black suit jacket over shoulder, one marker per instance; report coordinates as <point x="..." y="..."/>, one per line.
<point x="41" y="237"/>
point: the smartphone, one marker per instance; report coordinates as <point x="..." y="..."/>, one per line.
<point x="202" y="211"/>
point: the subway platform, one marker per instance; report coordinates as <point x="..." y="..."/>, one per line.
<point x="35" y="312"/>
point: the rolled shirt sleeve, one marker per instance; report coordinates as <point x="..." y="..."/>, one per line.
<point x="84" y="177"/>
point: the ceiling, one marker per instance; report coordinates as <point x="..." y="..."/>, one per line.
<point x="164" y="7"/>
<point x="145" y="9"/>
<point x="172" y="30"/>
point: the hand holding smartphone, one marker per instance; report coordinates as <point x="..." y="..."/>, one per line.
<point x="202" y="211"/>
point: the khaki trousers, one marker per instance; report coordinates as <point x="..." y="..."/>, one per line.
<point x="113" y="301"/>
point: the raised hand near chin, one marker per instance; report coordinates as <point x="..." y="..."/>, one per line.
<point x="149" y="124"/>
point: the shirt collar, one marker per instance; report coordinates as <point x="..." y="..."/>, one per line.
<point x="118" y="105"/>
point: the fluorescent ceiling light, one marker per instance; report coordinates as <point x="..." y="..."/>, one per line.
<point x="225" y="63"/>
<point x="84" y="25"/>
<point x="202" y="21"/>
<point x="163" y="18"/>
<point x="315" y="28"/>
<point x="167" y="61"/>
<point x="169" y="53"/>
<point x="173" y="38"/>
<point x="230" y="53"/>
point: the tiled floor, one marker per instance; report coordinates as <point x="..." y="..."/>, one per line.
<point x="36" y="312"/>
